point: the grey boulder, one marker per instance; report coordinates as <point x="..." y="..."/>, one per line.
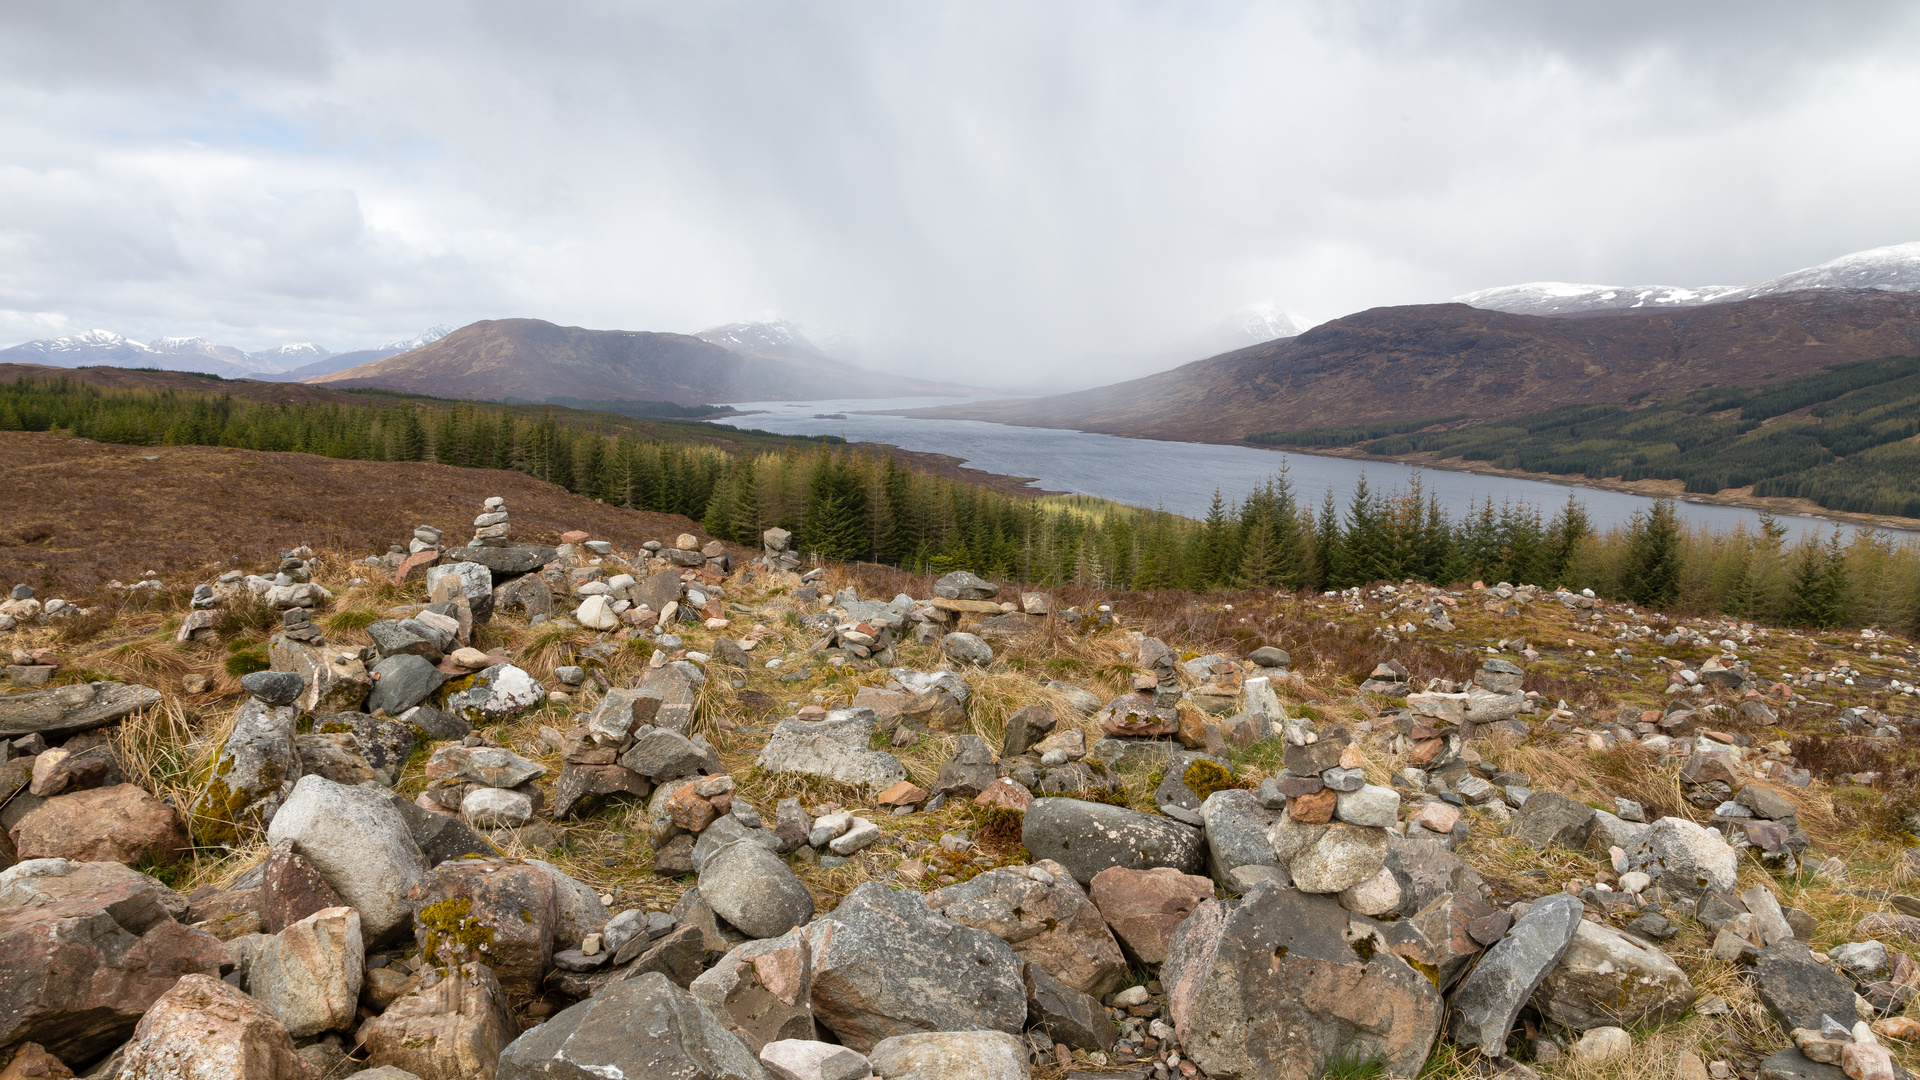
<point x="1608" y="978"/>
<point x="885" y="965"/>
<point x="640" y="1027"/>
<point x="1088" y="837"/>
<point x="1490" y="997"/>
<point x="401" y="682"/>
<point x="753" y="889"/>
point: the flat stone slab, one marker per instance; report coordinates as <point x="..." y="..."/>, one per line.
<point x="510" y="560"/>
<point x="71" y="708"/>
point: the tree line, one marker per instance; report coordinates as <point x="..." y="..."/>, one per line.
<point x="851" y="504"/>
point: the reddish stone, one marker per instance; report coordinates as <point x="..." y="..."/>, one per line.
<point x="1193" y="726"/>
<point x="202" y="1027"/>
<point x="120" y="824"/>
<point x="1145" y="906"/>
<point x="77" y="973"/>
<point x="1426" y="750"/>
<point x="413" y="562"/>
<point x="1314" y="809"/>
<point x="32" y="1062"/>
<point x="292" y="888"/>
<point x="575" y="536"/>
<point x="1006" y="794"/>
<point x="904" y="793"/>
<point x="688" y="810"/>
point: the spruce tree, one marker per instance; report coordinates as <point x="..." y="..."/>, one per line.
<point x="1326" y="544"/>
<point x="1804" y="602"/>
<point x="1651" y="575"/>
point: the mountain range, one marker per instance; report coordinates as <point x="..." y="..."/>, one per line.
<point x="534" y="360"/>
<point x="1895" y="268"/>
<point x="283" y="363"/>
<point x="1454" y="360"/>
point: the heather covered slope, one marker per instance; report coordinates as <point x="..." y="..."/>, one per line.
<point x="1435" y="360"/>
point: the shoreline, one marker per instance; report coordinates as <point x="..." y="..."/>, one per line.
<point x="1741" y="498"/>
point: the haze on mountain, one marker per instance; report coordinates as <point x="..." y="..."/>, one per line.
<point x="974" y="192"/>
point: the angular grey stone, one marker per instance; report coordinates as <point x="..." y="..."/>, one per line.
<point x="65" y="709"/>
<point x="1606" y="978"/>
<point x="386" y="744"/>
<point x="1236" y="832"/>
<point x="1043" y="914"/>
<point x="360" y="844"/>
<point x="1798" y="990"/>
<point x="961" y="585"/>
<point x="390" y="638"/>
<point x="969" y="771"/>
<point x="637" y="1027"/>
<point x="835" y="748"/>
<point x="1088" y="837"/>
<point x="1490" y="997"/>
<point x="883" y="965"/>
<point x="1549" y="818"/>
<point x="755" y="890"/>
<point x="401" y="682"/>
<point x="664" y="755"/>
<point x="1284" y="984"/>
<point x="274" y="688"/>
<point x="1371" y="805"/>
<point x="1066" y="1015"/>
<point x="1683" y="857"/>
<point x="762" y="990"/>
<point x="1426" y="871"/>
<point x="966" y="649"/>
<point x="1317" y="757"/>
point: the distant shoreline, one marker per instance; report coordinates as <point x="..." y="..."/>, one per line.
<point x="1742" y="498"/>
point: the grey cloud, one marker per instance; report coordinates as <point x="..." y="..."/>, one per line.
<point x="1010" y="186"/>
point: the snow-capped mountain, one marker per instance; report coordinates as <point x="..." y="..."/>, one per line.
<point x="97" y="348"/>
<point x="773" y="334"/>
<point x="286" y="357"/>
<point x="1895" y="268"/>
<point x="1251" y="325"/>
<point x="425" y="337"/>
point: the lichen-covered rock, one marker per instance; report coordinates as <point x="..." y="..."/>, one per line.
<point x="505" y="905"/>
<point x="252" y="775"/>
<point x="1286" y="983"/>
<point x="835" y="748"/>
<point x="1684" y="857"/>
<point x="1088" y="837"/>
<point x="492" y="694"/>
<point x="884" y="964"/>
<point x="335" y="681"/>
<point x="1607" y="978"/>
<point x="1045" y="917"/>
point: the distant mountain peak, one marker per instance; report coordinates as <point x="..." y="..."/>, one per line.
<point x="425" y="337"/>
<point x="766" y="334"/>
<point x="1260" y="321"/>
<point x="1894" y="268"/>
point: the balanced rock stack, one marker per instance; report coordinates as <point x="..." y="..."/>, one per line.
<point x="490" y="528"/>
<point x="425" y="538"/>
<point x="1332" y="837"/>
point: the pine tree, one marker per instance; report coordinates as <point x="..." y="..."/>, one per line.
<point x="1258" y="559"/>
<point x="1651" y="574"/>
<point x="836" y="526"/>
<point x="1326" y="544"/>
<point x="1805" y="606"/>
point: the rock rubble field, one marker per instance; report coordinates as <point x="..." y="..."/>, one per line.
<point x="664" y="807"/>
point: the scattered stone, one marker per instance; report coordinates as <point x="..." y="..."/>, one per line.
<point x="1041" y="912"/>
<point x="638" y="1027"/>
<point x="1144" y="907"/>
<point x="361" y="845"/>
<point x="833" y="749"/>
<point x="754" y="889"/>
<point x="951" y="1055"/>
<point x="804" y="1059"/>
<point x="966" y="649"/>
<point x="762" y="990"/>
<point x="1549" y="818"/>
<point x="505" y="905"/>
<point x="1683" y="857"/>
<point x="120" y="824"/>
<point x="1602" y="1044"/>
<point x="309" y="974"/>
<point x="1798" y="990"/>
<point x="1607" y="978"/>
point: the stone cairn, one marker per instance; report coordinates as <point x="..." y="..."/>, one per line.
<point x="425" y="538"/>
<point x="490" y="528"/>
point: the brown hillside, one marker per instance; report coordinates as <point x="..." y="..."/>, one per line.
<point x="1440" y="359"/>
<point x="76" y="513"/>
<point x="532" y="360"/>
<point x="183" y="382"/>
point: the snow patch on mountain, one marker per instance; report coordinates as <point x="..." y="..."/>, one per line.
<point x="769" y="334"/>
<point x="1895" y="268"/>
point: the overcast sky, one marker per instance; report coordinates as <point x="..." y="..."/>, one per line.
<point x="980" y="187"/>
